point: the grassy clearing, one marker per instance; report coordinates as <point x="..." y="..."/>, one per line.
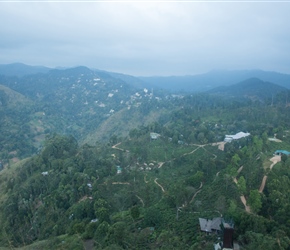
<point x="267" y="164"/>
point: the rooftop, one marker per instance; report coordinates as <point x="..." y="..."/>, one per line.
<point x="209" y="225"/>
<point x="285" y="152"/>
<point x="238" y="135"/>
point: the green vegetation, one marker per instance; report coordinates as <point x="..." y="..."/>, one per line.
<point x="148" y="205"/>
<point x="68" y="194"/>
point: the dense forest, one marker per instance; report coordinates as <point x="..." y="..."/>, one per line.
<point x="77" y="175"/>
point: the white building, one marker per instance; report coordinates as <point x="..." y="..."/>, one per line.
<point x="237" y="136"/>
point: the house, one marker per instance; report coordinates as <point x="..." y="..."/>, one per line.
<point x="119" y="170"/>
<point x="44" y="173"/>
<point x="229" y="138"/>
<point x="282" y="152"/>
<point x="210" y="226"/>
<point x="154" y="136"/>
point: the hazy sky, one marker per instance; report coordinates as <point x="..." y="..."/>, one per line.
<point x="147" y="38"/>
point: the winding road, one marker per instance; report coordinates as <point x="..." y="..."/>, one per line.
<point x="116" y="147"/>
<point x="274" y="160"/>
<point x="220" y="145"/>
<point x="159" y="185"/>
<point x="160" y="164"/>
<point x="199" y="189"/>
<point x="242" y="197"/>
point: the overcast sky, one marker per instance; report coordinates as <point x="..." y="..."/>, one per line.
<point x="147" y="38"/>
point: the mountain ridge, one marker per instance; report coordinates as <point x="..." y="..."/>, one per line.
<point x="212" y="79"/>
<point x="21" y="69"/>
<point x="252" y="88"/>
<point x="184" y="83"/>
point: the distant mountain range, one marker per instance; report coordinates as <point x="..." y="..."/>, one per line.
<point x="20" y="69"/>
<point x="188" y="83"/>
<point x="213" y="79"/>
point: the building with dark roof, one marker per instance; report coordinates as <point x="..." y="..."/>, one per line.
<point x="228" y="232"/>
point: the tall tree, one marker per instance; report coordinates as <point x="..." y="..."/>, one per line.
<point x="255" y="201"/>
<point x="242" y="185"/>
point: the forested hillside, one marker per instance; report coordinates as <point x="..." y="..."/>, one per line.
<point x="90" y="162"/>
<point x="74" y="102"/>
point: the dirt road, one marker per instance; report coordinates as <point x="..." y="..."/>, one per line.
<point x="199" y="189"/>
<point x="159" y="185"/>
<point x="221" y="145"/>
<point x="274" y="160"/>
<point x="116" y="146"/>
<point x="242" y="197"/>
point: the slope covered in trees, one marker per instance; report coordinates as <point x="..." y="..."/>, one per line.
<point x="105" y="180"/>
<point x="163" y="186"/>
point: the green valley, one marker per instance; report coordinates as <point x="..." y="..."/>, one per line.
<point x="90" y="161"/>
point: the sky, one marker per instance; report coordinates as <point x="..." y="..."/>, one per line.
<point x="146" y="38"/>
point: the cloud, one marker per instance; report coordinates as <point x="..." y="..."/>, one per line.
<point x="147" y="38"/>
